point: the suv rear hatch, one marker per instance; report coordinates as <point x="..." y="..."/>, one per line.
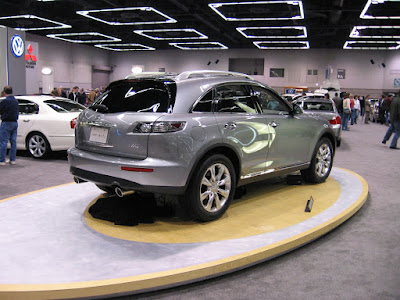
<point x="120" y="121"/>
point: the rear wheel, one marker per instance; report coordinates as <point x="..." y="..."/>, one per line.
<point x="37" y="145"/>
<point x="321" y="163"/>
<point x="211" y="189"/>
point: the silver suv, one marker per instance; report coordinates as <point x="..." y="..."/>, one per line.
<point x="198" y="134"/>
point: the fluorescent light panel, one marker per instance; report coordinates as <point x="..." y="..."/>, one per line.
<point x="372" y="45"/>
<point x="372" y="11"/>
<point x="147" y="13"/>
<point x="171" y="34"/>
<point x="259" y="10"/>
<point x="40" y="22"/>
<point x="273" y="32"/>
<point x="91" y="37"/>
<point x="375" y="32"/>
<point x="124" y="47"/>
<point x="199" y="46"/>
<point x="271" y="45"/>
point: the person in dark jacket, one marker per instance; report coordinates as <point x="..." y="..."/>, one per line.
<point x="9" y="111"/>
<point x="394" y="123"/>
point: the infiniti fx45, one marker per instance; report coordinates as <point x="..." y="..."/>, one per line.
<point x="199" y="135"/>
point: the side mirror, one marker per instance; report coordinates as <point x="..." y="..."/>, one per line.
<point x="297" y="109"/>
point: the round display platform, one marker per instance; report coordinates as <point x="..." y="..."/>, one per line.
<point x="53" y="248"/>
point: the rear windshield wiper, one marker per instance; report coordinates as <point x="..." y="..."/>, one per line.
<point x="99" y="108"/>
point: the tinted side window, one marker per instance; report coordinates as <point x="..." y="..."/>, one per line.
<point x="65" y="106"/>
<point x="234" y="99"/>
<point x="205" y="103"/>
<point x="27" y="107"/>
<point x="270" y="103"/>
<point x="139" y="96"/>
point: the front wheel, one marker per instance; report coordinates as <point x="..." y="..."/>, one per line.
<point x="37" y="145"/>
<point x="211" y="189"/>
<point x="321" y="163"/>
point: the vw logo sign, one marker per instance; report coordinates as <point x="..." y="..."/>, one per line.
<point x="17" y="46"/>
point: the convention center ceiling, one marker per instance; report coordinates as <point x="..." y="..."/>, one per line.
<point x="123" y="25"/>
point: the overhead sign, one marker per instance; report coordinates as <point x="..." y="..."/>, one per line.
<point x="396" y="82"/>
<point x="17" y="46"/>
<point x="341" y="74"/>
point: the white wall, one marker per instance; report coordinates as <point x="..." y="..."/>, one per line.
<point x="72" y="64"/>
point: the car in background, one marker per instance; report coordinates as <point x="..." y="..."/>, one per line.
<point x="197" y="135"/>
<point x="46" y="124"/>
<point x="324" y="108"/>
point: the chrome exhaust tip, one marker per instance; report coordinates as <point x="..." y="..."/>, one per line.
<point x="121" y="193"/>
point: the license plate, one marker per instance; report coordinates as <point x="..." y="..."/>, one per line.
<point x="98" y="135"/>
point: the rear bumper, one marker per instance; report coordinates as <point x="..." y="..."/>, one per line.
<point x="165" y="177"/>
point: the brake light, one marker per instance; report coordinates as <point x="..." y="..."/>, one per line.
<point x="335" y="121"/>
<point x="73" y="123"/>
<point x="159" y="127"/>
<point x="132" y="169"/>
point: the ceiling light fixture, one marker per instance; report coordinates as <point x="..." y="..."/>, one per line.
<point x="200" y="46"/>
<point x="33" y="17"/>
<point x="124" y="47"/>
<point x="368" y="6"/>
<point x="101" y="37"/>
<point x="272" y="45"/>
<point x="278" y="29"/>
<point x="357" y="32"/>
<point x="145" y="10"/>
<point x="372" y="45"/>
<point x="189" y="31"/>
<point x="299" y="14"/>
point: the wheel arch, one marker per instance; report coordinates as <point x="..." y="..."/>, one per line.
<point x="223" y="149"/>
<point x="27" y="137"/>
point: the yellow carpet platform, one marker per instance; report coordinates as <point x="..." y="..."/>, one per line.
<point x="51" y="247"/>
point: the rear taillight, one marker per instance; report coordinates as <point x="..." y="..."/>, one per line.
<point x="159" y="127"/>
<point x="335" y="121"/>
<point x="73" y="123"/>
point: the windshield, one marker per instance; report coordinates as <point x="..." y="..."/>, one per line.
<point x="139" y="95"/>
<point x="63" y="106"/>
<point x="314" y="105"/>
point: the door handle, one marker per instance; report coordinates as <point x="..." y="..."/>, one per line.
<point x="274" y="124"/>
<point x="230" y="125"/>
<point x="26" y="120"/>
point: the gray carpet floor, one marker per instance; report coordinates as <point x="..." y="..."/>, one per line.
<point x="358" y="260"/>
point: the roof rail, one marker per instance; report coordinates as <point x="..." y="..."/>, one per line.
<point x="210" y="73"/>
<point x="151" y="75"/>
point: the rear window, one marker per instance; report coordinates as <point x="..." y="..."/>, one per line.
<point x="139" y="96"/>
<point x="63" y="106"/>
<point x="314" y="105"/>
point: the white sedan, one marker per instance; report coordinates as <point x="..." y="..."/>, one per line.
<point x="46" y="124"/>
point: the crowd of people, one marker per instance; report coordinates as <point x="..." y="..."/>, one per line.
<point x="77" y="95"/>
<point x="353" y="107"/>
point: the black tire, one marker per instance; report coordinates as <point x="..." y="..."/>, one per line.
<point x="37" y="145"/>
<point x="107" y="189"/>
<point x="216" y="181"/>
<point x="321" y="162"/>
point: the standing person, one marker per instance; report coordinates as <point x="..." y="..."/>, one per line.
<point x="362" y="105"/>
<point x="381" y="110"/>
<point x="9" y="111"/>
<point x="357" y="108"/>
<point x="367" y="110"/>
<point x="352" y="110"/>
<point x="339" y="104"/>
<point x="387" y="104"/>
<point x="74" y="94"/>
<point x="346" y="112"/>
<point x="82" y="97"/>
<point x="62" y="92"/>
<point x="394" y="123"/>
